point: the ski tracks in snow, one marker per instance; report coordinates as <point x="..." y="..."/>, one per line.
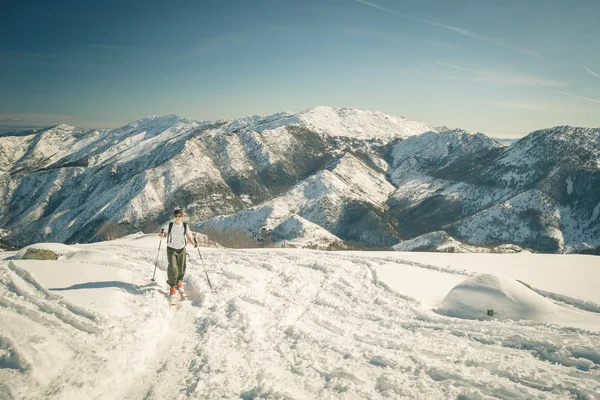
<point x="283" y="324"/>
<point x="316" y="325"/>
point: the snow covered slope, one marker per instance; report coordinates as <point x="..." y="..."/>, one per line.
<point x="538" y="193"/>
<point x="66" y="184"/>
<point x="426" y="153"/>
<point x="347" y="198"/>
<point x="293" y="324"/>
<point x="359" y="124"/>
<point x="441" y="241"/>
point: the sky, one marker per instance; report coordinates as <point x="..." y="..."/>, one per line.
<point x="504" y="68"/>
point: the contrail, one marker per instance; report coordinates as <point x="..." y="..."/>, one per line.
<point x="494" y="76"/>
<point x="465" y="69"/>
<point x="385" y="9"/>
<point x="462" y="31"/>
<point x="521" y="82"/>
<point x="592" y="72"/>
<point x="576" y="96"/>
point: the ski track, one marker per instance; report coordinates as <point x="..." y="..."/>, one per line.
<point x="280" y="325"/>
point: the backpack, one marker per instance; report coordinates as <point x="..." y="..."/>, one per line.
<point x="169" y="238"/>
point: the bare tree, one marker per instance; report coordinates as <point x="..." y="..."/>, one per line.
<point x="110" y="230"/>
<point x="235" y="238"/>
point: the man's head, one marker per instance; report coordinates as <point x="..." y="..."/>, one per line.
<point x="178" y="214"/>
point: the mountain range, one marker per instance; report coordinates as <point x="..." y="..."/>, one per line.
<point x="325" y="177"/>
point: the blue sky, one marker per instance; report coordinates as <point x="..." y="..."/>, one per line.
<point x="504" y="68"/>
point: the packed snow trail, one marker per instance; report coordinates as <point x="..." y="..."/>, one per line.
<point x="282" y="324"/>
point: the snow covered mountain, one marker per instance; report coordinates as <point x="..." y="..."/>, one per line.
<point x="65" y="183"/>
<point x="540" y="193"/>
<point x="325" y="176"/>
<point x="347" y="198"/>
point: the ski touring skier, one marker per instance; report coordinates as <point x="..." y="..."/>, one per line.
<point x="178" y="234"/>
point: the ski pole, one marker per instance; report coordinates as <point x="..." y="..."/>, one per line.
<point x="201" y="259"/>
<point x="156" y="263"/>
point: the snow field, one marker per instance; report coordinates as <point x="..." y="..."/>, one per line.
<point x="283" y="324"/>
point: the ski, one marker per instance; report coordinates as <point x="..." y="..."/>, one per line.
<point x="173" y="300"/>
<point x="176" y="299"/>
<point x="182" y="294"/>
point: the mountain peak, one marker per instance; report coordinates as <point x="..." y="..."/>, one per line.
<point x="63" y="127"/>
<point x="360" y="124"/>
<point x="155" y="124"/>
<point x="565" y="130"/>
<point x="268" y="121"/>
<point x="340" y="111"/>
<point x="155" y="119"/>
<point x="558" y="135"/>
<point x="363" y="175"/>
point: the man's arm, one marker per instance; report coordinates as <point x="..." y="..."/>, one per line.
<point x="190" y="238"/>
<point x="163" y="232"/>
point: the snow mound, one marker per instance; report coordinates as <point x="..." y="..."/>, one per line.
<point x="57" y="248"/>
<point x="490" y="296"/>
<point x="90" y="255"/>
<point x="63" y="252"/>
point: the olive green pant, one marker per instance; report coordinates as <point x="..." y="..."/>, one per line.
<point x="176" y="269"/>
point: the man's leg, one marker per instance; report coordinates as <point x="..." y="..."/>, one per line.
<point x="182" y="265"/>
<point x="172" y="270"/>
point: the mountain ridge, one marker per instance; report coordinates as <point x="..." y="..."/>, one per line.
<point x="65" y="183"/>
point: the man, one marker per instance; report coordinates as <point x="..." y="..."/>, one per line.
<point x="176" y="233"/>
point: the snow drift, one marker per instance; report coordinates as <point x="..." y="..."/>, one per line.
<point x="490" y="296"/>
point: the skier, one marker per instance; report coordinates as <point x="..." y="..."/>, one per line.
<point x="176" y="233"/>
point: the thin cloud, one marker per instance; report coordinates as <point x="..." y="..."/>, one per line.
<point x="473" y="35"/>
<point x="509" y="78"/>
<point x="214" y="44"/>
<point x="44" y="119"/>
<point x="34" y="117"/>
<point x="506" y="134"/>
<point x="597" y="75"/>
<point x="20" y="57"/>
<point x="517" y="105"/>
<point x="369" y="33"/>
<point x="533" y="82"/>
<point x="463" y="68"/>
<point x="462" y="31"/>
